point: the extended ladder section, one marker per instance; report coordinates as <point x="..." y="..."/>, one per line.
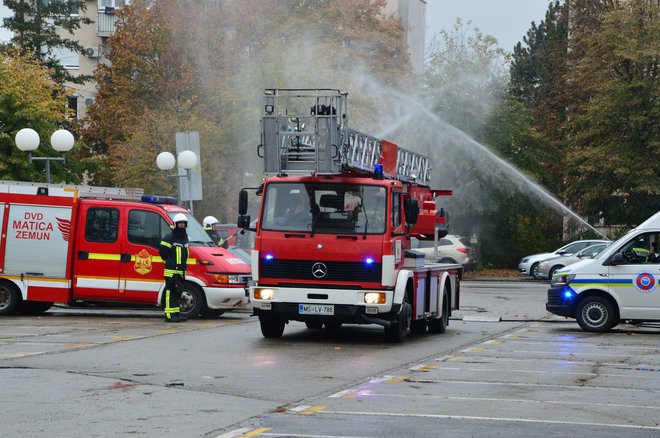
<point x="89" y="192"/>
<point x="306" y="132"/>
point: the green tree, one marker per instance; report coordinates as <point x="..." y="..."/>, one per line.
<point x="42" y="26"/>
<point x="29" y="98"/>
<point x="614" y="165"/>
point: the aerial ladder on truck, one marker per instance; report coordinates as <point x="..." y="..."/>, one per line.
<point x="341" y="173"/>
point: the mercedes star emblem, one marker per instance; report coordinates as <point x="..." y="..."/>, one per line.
<point x="319" y="270"/>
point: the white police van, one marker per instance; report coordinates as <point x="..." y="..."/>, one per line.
<point x="620" y="284"/>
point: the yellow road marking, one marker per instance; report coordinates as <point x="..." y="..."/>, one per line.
<point x="455" y="358"/>
<point x="312" y="410"/>
<point x="255" y="432"/>
<point x="395" y="380"/>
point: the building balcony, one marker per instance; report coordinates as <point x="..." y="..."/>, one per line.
<point x="105" y="22"/>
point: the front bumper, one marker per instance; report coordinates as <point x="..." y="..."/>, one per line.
<point x="225" y="297"/>
<point x="561" y="301"/>
<point x="349" y="305"/>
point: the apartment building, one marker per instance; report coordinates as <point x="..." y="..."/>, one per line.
<point x="93" y="37"/>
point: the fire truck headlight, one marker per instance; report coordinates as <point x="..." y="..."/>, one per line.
<point x="375" y="298"/>
<point x="264" y="294"/>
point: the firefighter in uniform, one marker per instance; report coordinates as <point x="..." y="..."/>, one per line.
<point x="174" y="252"/>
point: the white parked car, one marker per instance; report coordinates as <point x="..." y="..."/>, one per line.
<point x="529" y="264"/>
<point x="451" y="249"/>
<point x="547" y="268"/>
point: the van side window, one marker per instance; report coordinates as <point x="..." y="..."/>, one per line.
<point x="102" y="225"/>
<point x="146" y="228"/>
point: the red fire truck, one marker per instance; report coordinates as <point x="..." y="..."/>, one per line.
<point x="333" y="233"/>
<point x="68" y="244"/>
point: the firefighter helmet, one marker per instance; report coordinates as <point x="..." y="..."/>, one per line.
<point x="180" y="217"/>
<point x="209" y="220"/>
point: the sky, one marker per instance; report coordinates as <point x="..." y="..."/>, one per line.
<point x="506" y="20"/>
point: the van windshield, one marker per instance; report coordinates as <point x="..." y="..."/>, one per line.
<point x="325" y="208"/>
<point x="196" y="233"/>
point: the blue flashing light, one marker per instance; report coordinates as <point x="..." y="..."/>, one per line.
<point x="269" y="257"/>
<point x="378" y="171"/>
<point x="369" y="261"/>
<point x="568" y="295"/>
<point x="155" y="199"/>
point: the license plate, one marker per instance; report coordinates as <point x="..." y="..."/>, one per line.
<point x="315" y="309"/>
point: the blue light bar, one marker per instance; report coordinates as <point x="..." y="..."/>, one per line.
<point x="378" y="171"/>
<point x="155" y="199"/>
<point x="369" y="261"/>
<point x="269" y="257"/>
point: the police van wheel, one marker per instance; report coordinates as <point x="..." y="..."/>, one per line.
<point x="10" y="298"/>
<point x="596" y="314"/>
<point x="271" y="326"/>
<point x="192" y="300"/>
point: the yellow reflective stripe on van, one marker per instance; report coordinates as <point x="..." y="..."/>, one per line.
<point x="101" y="256"/>
<point x="117" y="257"/>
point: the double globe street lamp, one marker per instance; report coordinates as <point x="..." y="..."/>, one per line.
<point x="187" y="160"/>
<point x="27" y="140"/>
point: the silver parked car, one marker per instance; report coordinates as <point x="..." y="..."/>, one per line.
<point x="451" y="249"/>
<point x="547" y="268"/>
<point x="529" y="264"/>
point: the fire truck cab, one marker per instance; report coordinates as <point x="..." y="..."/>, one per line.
<point x="333" y="233"/>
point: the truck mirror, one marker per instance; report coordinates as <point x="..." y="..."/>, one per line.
<point x="242" y="202"/>
<point x="411" y="210"/>
<point x="243" y="221"/>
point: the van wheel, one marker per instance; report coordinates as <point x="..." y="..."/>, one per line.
<point x="35" y="307"/>
<point x="596" y="314"/>
<point x="212" y="313"/>
<point x="10" y="298"/>
<point x="272" y="326"/>
<point x="439" y="325"/>
<point x="192" y="300"/>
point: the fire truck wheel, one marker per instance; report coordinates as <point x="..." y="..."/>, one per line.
<point x="418" y="326"/>
<point x="314" y="325"/>
<point x="212" y="313"/>
<point x="192" y="300"/>
<point x="333" y="325"/>
<point x="399" y="329"/>
<point x="271" y="326"/>
<point x="439" y="325"/>
<point x="10" y="298"/>
<point x="35" y="307"/>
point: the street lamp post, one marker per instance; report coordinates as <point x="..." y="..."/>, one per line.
<point x="27" y="140"/>
<point x="187" y="160"/>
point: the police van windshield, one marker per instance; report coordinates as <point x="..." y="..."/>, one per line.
<point x="196" y="233"/>
<point x="325" y="208"/>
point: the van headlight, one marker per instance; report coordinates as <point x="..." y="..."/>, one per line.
<point x="560" y="280"/>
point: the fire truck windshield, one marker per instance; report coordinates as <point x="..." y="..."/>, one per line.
<point x="196" y="233"/>
<point x="328" y="208"/>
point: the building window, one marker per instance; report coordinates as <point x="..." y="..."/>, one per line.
<point x="66" y="57"/>
<point x="72" y="105"/>
<point x="113" y="3"/>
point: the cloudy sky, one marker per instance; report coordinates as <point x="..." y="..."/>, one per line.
<point x="506" y="20"/>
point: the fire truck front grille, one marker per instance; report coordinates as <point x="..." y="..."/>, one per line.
<point x="320" y="270"/>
